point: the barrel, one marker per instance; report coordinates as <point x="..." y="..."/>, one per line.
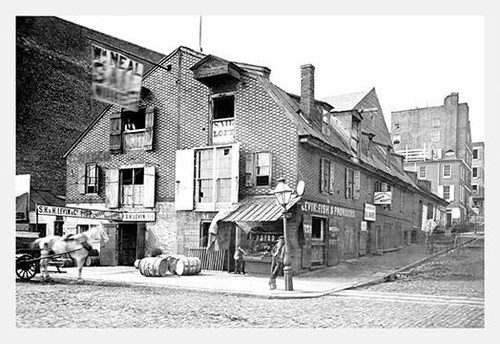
<point x="188" y="266"/>
<point x="136" y="263"/>
<point x="153" y="266"/>
<point x="92" y="261"/>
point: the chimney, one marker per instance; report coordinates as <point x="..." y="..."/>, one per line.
<point x="451" y="99"/>
<point x="307" y="90"/>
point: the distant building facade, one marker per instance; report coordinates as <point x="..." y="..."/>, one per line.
<point x="478" y="188"/>
<point x="436" y="144"/>
<point x="209" y="144"/>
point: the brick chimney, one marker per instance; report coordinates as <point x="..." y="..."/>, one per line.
<point x="307" y="90"/>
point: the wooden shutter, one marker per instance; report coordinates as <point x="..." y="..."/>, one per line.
<point x="148" y="135"/>
<point x="112" y="188"/>
<point x="452" y="192"/>
<point x="348" y="183"/>
<point x="357" y="184"/>
<point x="184" y="179"/>
<point x="149" y="187"/>
<point x="115" y="133"/>
<point x="249" y="169"/>
<point x="235" y="172"/>
<point x="440" y="191"/>
<point x="331" y="187"/>
<point x="81" y="178"/>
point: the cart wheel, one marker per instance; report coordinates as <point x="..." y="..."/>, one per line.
<point x="26" y="268"/>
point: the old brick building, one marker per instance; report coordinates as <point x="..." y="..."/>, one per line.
<point x="478" y="173"/>
<point x="436" y="143"/>
<point x="211" y="139"/>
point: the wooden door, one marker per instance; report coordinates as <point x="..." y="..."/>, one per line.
<point x="108" y="252"/>
<point x="127" y="244"/>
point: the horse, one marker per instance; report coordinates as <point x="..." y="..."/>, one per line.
<point x="77" y="246"/>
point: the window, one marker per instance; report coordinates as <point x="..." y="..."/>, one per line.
<point x="422" y="172"/>
<point x="327" y="174"/>
<point x="475" y="154"/>
<point x="474" y="188"/>
<point x="131" y="130"/>
<point x="396" y="139"/>
<point x="91" y="178"/>
<point x="355" y="127"/>
<point x="213" y="175"/>
<point x="132" y="186"/>
<point x="318" y="227"/>
<point x="223" y="107"/>
<point x="325" y="128"/>
<point x="447" y="171"/>
<point x="475" y="172"/>
<point x="396" y="126"/>
<point x="446" y="192"/>
<point x="435" y="136"/>
<point x="258" y="167"/>
<point x="262" y="169"/>
<point x="134" y="120"/>
<point x="462" y="194"/>
<point x="436" y="122"/>
<point x="381" y="186"/>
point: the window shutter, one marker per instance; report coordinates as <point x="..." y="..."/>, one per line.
<point x="149" y="126"/>
<point x="81" y="179"/>
<point x="149" y="187"/>
<point x="112" y="188"/>
<point x="357" y="184"/>
<point x="322" y="167"/>
<point x="249" y="169"/>
<point x="115" y="133"/>
<point x="235" y="172"/>
<point x="452" y="192"/>
<point x="331" y="188"/>
<point x="184" y="179"/>
<point x="440" y="191"/>
<point x="97" y="174"/>
<point x="348" y="183"/>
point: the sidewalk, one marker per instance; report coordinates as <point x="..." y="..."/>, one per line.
<point x="348" y="274"/>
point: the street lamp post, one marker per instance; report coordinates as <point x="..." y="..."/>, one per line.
<point x="283" y="195"/>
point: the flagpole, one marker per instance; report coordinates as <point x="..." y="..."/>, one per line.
<point x="201" y="49"/>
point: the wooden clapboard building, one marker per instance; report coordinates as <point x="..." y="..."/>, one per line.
<point x="208" y="144"/>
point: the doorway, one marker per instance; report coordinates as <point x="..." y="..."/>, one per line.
<point x="127" y="244"/>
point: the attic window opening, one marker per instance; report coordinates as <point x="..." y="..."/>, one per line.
<point x="223" y="107"/>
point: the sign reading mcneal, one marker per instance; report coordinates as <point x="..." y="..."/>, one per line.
<point x="116" y="79"/>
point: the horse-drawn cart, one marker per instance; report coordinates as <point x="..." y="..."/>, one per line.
<point x="27" y="265"/>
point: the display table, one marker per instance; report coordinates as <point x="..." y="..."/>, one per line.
<point x="258" y="264"/>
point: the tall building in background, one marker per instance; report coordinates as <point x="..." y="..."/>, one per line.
<point x="436" y="143"/>
<point x="478" y="183"/>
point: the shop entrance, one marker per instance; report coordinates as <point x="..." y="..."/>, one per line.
<point x="130" y="243"/>
<point x="318" y="245"/>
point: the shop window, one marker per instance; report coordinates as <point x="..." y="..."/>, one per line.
<point x="41" y="228"/>
<point x="82" y="228"/>
<point x="91" y="179"/>
<point x="318" y="227"/>
<point x="223" y="107"/>
<point x="132" y="186"/>
<point x="447" y="171"/>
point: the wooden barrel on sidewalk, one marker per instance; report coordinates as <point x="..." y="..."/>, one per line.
<point x="153" y="267"/>
<point x="92" y="261"/>
<point x="188" y="266"/>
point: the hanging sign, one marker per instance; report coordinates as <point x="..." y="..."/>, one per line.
<point x="223" y="131"/>
<point x="370" y="212"/>
<point x="382" y="197"/>
<point x="116" y="79"/>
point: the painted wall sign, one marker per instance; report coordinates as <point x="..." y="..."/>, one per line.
<point x="382" y="197"/>
<point x="223" y="131"/>
<point x="116" y="79"/>
<point x="327" y="209"/>
<point x="370" y="212"/>
<point x="139" y="217"/>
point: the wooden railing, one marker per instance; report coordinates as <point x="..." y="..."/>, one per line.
<point x="210" y="260"/>
<point x="133" y="139"/>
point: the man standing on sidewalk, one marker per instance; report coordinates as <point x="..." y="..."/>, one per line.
<point x="277" y="255"/>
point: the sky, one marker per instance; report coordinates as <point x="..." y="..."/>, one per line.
<point x="412" y="61"/>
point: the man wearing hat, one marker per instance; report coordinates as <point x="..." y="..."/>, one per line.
<point x="277" y="255"/>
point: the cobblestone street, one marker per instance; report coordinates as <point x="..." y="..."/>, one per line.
<point x="455" y="277"/>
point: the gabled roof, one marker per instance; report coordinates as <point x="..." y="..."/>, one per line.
<point x="347" y="101"/>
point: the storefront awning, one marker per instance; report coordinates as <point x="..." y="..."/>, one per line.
<point x="258" y="209"/>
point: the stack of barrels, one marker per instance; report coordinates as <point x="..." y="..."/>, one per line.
<point x="159" y="266"/>
<point x="93" y="258"/>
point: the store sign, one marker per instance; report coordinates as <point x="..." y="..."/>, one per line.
<point x="116" y="79"/>
<point x="139" y="217"/>
<point x="95" y="214"/>
<point x="382" y="197"/>
<point x="370" y="212"/>
<point x="327" y="209"/>
<point x="223" y="131"/>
